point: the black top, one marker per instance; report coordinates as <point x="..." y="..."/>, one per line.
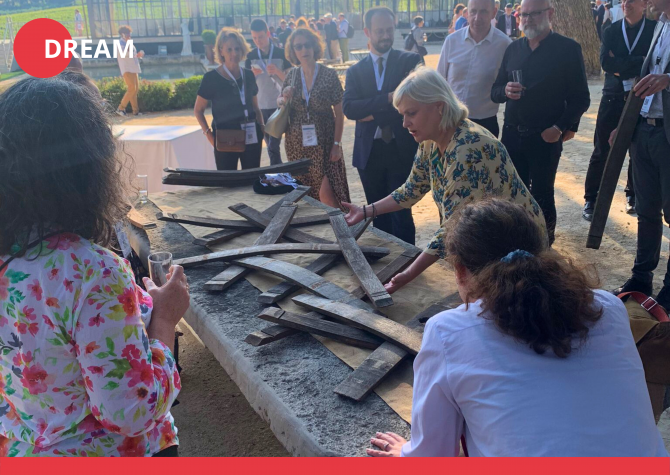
<point x="331" y="31"/>
<point x="277" y="53"/>
<point x="283" y="35"/>
<point x="626" y="65"/>
<point x="227" y="107"/>
<point x="556" y="93"/>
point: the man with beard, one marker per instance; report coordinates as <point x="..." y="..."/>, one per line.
<point x="383" y="150"/>
<point x="621" y="55"/>
<point x="470" y="60"/>
<point x="544" y="103"/>
<point x="651" y="166"/>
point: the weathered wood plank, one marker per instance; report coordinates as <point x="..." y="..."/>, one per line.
<point x="405" y="338"/>
<point x="136" y="219"/>
<point x="286" y="167"/>
<point x="234" y="254"/>
<point x="357" y="262"/>
<point x="615" y="159"/>
<point x="319" y="326"/>
<point x="256" y="218"/>
<point x="379" y="364"/>
<point x="260" y="337"/>
<point x="237" y="224"/>
<point x="318" y="266"/>
<point x="272" y="233"/>
<point x="398" y="264"/>
<point x="226" y="235"/>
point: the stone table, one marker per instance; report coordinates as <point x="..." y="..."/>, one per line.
<point x="289" y="383"/>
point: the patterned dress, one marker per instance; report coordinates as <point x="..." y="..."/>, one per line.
<point x="327" y="92"/>
<point x="78" y="374"/>
<point x="474" y="165"/>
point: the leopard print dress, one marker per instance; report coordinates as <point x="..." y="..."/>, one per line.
<point x="326" y="93"/>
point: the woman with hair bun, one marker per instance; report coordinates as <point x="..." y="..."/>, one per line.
<point x="535" y="363"/>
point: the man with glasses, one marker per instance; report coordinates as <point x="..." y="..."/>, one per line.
<point x="651" y="166"/>
<point x="625" y="44"/>
<point x="543" y="83"/>
<point x="383" y="150"/>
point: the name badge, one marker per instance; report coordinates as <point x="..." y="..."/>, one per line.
<point x="628" y="84"/>
<point x="250" y="136"/>
<point x="646" y="106"/>
<point x="309" y="136"/>
<point x="509" y="31"/>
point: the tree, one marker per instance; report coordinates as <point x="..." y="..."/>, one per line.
<point x="574" y="19"/>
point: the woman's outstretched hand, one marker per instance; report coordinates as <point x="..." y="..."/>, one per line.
<point x="355" y="214"/>
<point x="398" y="281"/>
<point x="388" y="444"/>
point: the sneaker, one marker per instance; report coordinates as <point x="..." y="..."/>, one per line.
<point x="121" y="113"/>
<point x="587" y="213"/>
<point x="663" y="297"/>
<point x="135" y="114"/>
<point x="630" y="204"/>
<point x="634" y="285"/>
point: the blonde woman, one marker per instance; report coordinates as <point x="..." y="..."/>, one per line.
<point x="232" y="91"/>
<point x="458" y="161"/>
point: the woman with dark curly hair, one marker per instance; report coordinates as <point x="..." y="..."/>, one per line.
<point x="316" y="120"/>
<point x="535" y="363"/>
<point x="80" y="373"/>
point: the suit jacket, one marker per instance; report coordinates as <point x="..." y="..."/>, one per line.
<point x="665" y="64"/>
<point x="361" y="99"/>
<point x="501" y="25"/>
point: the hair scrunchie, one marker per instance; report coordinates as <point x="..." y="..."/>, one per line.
<point x="515" y="255"/>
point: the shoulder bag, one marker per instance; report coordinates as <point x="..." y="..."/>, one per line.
<point x="278" y="122"/>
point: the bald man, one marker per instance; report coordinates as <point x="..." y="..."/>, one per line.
<point x="544" y="106"/>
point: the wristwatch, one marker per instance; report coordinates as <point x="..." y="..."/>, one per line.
<point x="339" y="144"/>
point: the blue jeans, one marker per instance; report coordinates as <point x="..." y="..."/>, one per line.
<point x="273" y="144"/>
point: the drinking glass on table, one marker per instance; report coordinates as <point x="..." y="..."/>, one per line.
<point x="143" y="187"/>
<point x="517" y="76"/>
<point x="159" y="267"/>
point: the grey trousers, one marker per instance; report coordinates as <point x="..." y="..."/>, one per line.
<point x="273" y="144"/>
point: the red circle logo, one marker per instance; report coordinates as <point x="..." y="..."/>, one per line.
<point x="31" y="48"/>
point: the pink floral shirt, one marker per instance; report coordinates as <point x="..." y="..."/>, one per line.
<point x="78" y="374"/>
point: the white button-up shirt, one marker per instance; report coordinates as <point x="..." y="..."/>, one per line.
<point x="660" y="51"/>
<point x="471" y="68"/>
<point x="385" y="63"/>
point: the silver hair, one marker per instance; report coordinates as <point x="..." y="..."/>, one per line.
<point x="328" y="15"/>
<point x="427" y="86"/>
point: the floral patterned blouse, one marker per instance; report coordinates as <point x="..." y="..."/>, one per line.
<point x="78" y="374"/>
<point x="475" y="164"/>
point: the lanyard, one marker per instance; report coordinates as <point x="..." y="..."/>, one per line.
<point x="305" y="92"/>
<point x="637" y="38"/>
<point x="243" y="99"/>
<point x="380" y="79"/>
<point x="660" y="44"/>
<point x="264" y="65"/>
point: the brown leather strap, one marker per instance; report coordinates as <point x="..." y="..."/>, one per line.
<point x="647" y="303"/>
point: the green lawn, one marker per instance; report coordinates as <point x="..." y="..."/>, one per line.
<point x="63" y="15"/>
<point x="5" y="76"/>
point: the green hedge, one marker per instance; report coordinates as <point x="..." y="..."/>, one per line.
<point x="154" y="96"/>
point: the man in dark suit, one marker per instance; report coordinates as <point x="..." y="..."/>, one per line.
<point x="507" y="22"/>
<point x="383" y="150"/>
<point x="651" y="166"/>
<point x="600" y="17"/>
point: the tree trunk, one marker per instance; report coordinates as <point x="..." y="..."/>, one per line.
<point x="574" y="19"/>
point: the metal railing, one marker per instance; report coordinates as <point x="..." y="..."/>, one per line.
<point x="8" y="43"/>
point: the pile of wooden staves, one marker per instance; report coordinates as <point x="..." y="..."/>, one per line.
<point x="351" y="317"/>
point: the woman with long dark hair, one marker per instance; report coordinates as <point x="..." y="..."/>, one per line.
<point x="80" y="373"/>
<point x="535" y="363"/>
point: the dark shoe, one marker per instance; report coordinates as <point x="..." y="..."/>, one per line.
<point x="630" y="204"/>
<point x="663" y="297"/>
<point x="587" y="213"/>
<point x="634" y="285"/>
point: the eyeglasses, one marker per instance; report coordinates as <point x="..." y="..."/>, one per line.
<point x="533" y="15"/>
<point x="300" y="46"/>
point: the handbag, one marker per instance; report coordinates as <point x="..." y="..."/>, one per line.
<point x="277" y="123"/>
<point x="228" y="140"/>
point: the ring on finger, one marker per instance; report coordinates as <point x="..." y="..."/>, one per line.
<point x="386" y="447"/>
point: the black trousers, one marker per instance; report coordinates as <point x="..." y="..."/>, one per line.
<point x="172" y="451"/>
<point x="536" y="162"/>
<point x="386" y="171"/>
<point x="490" y="124"/>
<point x="609" y="113"/>
<point x="651" y="175"/>
<point x="250" y="158"/>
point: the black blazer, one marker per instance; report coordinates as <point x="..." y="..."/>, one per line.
<point x="501" y="25"/>
<point x="361" y="99"/>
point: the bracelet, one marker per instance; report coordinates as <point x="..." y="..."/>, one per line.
<point x="365" y="214"/>
<point x="205" y="132"/>
<point x="557" y="128"/>
<point x="374" y="211"/>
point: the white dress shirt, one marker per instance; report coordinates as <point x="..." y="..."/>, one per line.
<point x="471" y="68"/>
<point x="128" y="64"/>
<point x="471" y="378"/>
<point x="662" y="50"/>
<point x="385" y="62"/>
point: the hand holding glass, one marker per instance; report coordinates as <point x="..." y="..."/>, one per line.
<point x="159" y="267"/>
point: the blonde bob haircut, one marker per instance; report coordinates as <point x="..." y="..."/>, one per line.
<point x="229" y="34"/>
<point x="427" y="86"/>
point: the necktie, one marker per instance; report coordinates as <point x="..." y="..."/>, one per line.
<point x="387" y="133"/>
